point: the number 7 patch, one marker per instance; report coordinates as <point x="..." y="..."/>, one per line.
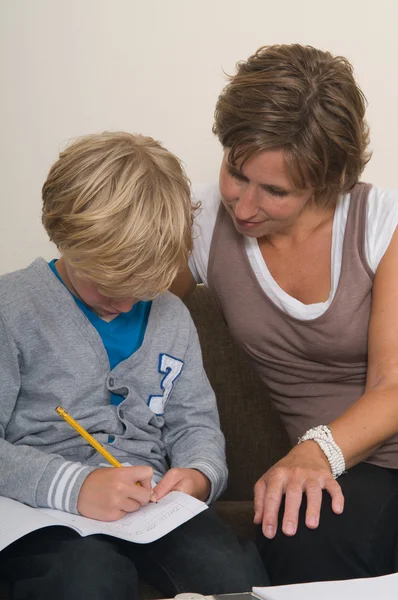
<point x="171" y="367"/>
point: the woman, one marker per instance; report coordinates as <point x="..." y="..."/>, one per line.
<point x="302" y="260"/>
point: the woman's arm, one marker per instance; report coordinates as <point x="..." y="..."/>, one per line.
<point x="371" y="420"/>
<point x="374" y="417"/>
<point x="183" y="284"/>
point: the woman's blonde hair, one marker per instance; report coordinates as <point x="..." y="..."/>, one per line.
<point x="304" y="101"/>
<point x="118" y="208"/>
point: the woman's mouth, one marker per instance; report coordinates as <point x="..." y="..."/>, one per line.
<point x="248" y="224"/>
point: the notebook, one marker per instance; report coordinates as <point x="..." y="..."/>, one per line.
<point x="146" y="525"/>
<point x="372" y="588"/>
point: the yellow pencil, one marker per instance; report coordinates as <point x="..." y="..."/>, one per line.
<point x="89" y="438"/>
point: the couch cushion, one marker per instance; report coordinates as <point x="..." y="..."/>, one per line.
<point x="255" y="438"/>
<point x="238" y="515"/>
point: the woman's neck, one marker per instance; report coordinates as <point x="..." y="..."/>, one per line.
<point x="310" y="221"/>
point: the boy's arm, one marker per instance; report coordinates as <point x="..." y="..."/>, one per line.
<point x="192" y="428"/>
<point x="26" y="473"/>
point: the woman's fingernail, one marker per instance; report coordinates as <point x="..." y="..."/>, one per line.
<point x="289" y="528"/>
<point x="269" y="531"/>
<point x="312" y="521"/>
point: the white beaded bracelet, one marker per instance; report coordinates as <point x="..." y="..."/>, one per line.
<point x="324" y="438"/>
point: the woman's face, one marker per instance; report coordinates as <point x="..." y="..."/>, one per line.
<point x="260" y="197"/>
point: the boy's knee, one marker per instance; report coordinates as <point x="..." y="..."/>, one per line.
<point x="226" y="563"/>
<point x="93" y="567"/>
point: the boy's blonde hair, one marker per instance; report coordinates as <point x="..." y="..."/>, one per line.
<point x="118" y="208"/>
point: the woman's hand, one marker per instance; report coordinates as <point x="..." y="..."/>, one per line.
<point x="304" y="470"/>
<point x="190" y="481"/>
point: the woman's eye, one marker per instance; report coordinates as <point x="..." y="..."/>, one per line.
<point x="277" y="193"/>
<point x="238" y="176"/>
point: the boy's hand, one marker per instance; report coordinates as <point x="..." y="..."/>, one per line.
<point x="190" y="481"/>
<point x="108" y="494"/>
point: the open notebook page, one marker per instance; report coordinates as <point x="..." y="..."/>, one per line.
<point x="149" y="523"/>
<point x="17" y="520"/>
<point x="385" y="588"/>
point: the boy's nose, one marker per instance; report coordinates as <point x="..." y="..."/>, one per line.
<point x="123" y="305"/>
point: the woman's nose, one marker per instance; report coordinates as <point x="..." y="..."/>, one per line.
<point x="246" y="205"/>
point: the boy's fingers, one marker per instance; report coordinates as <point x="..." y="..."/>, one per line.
<point x="166" y="484"/>
<point x="130" y="505"/>
<point x="185" y="485"/>
<point x="139" y="494"/>
<point x="146" y="484"/>
<point x="142" y="475"/>
<point x="162" y="488"/>
<point x="140" y="471"/>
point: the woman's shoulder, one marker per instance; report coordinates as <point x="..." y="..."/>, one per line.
<point x="208" y="197"/>
<point x="381" y="222"/>
<point x="382" y="199"/>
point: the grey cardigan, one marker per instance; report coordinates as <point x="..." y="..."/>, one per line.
<point x="51" y="355"/>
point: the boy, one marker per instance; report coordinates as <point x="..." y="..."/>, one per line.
<point x="94" y="332"/>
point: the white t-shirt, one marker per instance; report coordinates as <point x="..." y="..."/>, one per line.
<point x="381" y="221"/>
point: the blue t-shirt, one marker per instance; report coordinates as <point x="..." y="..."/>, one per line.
<point x="122" y="336"/>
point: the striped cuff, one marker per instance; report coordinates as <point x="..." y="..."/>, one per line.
<point x="217" y="482"/>
<point x="60" y="488"/>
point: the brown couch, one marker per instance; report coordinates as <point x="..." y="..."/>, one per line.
<point x="254" y="435"/>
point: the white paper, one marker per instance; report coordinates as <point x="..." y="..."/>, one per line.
<point x="149" y="523"/>
<point x="17" y="520"/>
<point x="372" y="588"/>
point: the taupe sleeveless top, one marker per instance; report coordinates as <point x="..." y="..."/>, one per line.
<point x="314" y="370"/>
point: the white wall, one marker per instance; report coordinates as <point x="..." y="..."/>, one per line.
<point x="70" y="67"/>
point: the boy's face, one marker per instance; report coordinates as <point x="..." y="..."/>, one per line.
<point x="104" y="307"/>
